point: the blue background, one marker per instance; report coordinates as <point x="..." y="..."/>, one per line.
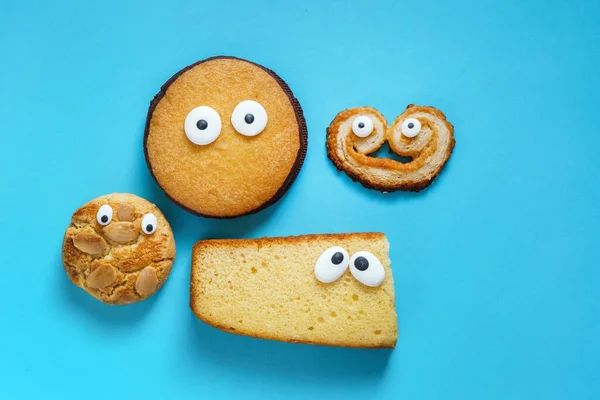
<point x="496" y="265"/>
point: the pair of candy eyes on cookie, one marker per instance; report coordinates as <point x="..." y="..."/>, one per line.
<point x="203" y="124"/>
<point x="362" y="126"/>
<point x="364" y="266"/>
<point x="149" y="221"/>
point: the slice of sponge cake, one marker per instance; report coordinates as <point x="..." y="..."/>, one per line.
<point x="267" y="288"/>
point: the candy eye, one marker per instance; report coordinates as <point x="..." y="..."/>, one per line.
<point x="411" y="127"/>
<point x="149" y="224"/>
<point x="249" y="118"/>
<point x="362" y="126"/>
<point x="202" y="125"/>
<point x="367" y="269"/>
<point x="331" y="264"/>
<point x="104" y="215"/>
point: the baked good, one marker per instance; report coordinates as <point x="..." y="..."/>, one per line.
<point x="298" y="289"/>
<point x="119" y="248"/>
<point x="225" y="137"/>
<point x="420" y="133"/>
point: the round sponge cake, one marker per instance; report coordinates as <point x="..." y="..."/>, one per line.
<point x="238" y="172"/>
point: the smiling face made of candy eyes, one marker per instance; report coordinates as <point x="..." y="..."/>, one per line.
<point x="364" y="266"/>
<point x="225" y="137"/>
<point x="119" y="248"/>
<point x="421" y="135"/>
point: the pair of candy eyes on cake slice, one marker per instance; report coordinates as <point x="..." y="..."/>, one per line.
<point x="362" y="126"/>
<point x="203" y="124"/>
<point x="149" y="221"/>
<point x="364" y="266"/>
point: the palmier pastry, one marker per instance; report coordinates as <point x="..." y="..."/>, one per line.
<point x="421" y="134"/>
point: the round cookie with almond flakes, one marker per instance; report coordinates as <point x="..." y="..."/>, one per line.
<point x="119" y="248"/>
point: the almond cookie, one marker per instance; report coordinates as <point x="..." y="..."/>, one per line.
<point x="119" y="248"/>
<point x="421" y="134"/>
<point x="225" y="137"/>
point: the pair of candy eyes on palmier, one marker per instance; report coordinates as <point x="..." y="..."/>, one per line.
<point x="362" y="126"/>
<point x="105" y="214"/>
<point x="203" y="124"/>
<point x="364" y="266"/>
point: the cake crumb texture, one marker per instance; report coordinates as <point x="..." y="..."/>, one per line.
<point x="266" y="288"/>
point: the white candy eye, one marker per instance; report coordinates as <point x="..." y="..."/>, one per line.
<point x="367" y="269"/>
<point x="104" y="215"/>
<point x="249" y="118"/>
<point x="149" y="224"/>
<point x="411" y="127"/>
<point x="332" y="264"/>
<point x="202" y="125"/>
<point x="362" y="126"/>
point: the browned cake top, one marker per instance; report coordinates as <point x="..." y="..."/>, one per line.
<point x="235" y="174"/>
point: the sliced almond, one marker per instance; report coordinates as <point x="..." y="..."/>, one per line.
<point x="125" y="212"/>
<point x="127" y="298"/>
<point x="90" y="243"/>
<point x="146" y="282"/>
<point x="101" y="277"/>
<point x="121" y="232"/>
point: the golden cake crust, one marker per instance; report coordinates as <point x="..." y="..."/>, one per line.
<point x="235" y="175"/>
<point x="118" y="263"/>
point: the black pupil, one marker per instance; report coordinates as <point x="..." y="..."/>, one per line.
<point x="249" y="118"/>
<point x="202" y="124"/>
<point x="104" y="218"/>
<point x="337" y="258"/>
<point x="361" y="263"/>
<point x="361" y="125"/>
<point x="411" y="125"/>
<point x="149" y="228"/>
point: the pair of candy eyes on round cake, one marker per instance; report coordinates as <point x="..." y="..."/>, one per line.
<point x="362" y="126"/>
<point x="149" y="221"/>
<point x="203" y="124"/>
<point x="364" y="266"/>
